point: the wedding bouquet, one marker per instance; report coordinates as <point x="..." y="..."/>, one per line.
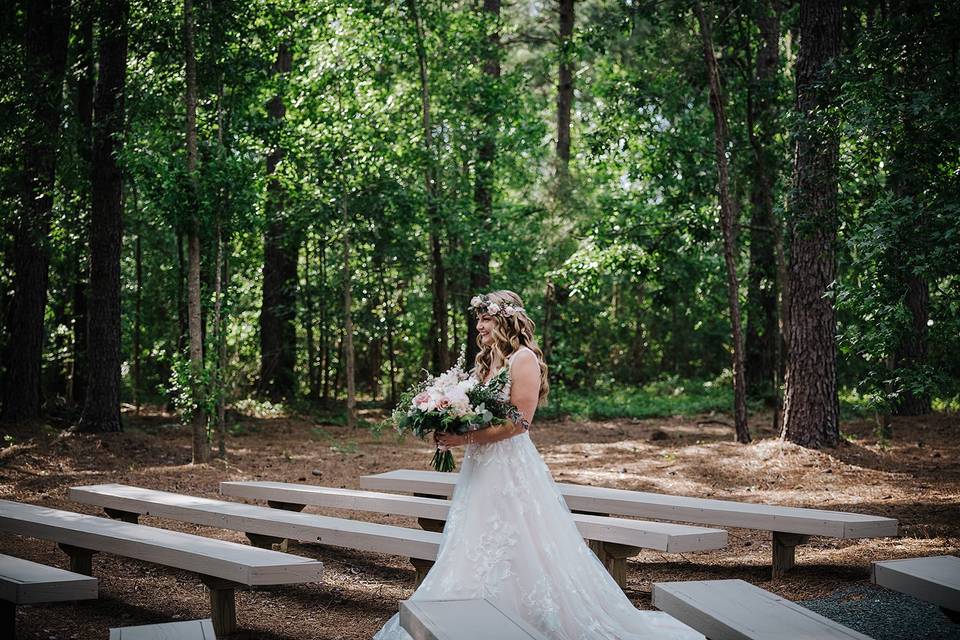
<point x="452" y="402"/>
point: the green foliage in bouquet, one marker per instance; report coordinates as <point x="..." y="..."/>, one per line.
<point x="452" y="403"/>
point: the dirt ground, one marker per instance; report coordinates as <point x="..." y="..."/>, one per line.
<point x="915" y="479"/>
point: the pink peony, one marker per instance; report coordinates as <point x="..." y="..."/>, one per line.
<point x="421" y="398"/>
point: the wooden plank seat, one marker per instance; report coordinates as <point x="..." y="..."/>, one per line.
<point x="26" y="582"/>
<point x="477" y="619"/>
<point x="738" y="610"/>
<point x="186" y="630"/>
<point x="265" y="526"/>
<point x="221" y="565"/>
<point x="614" y="539"/>
<point x="790" y="526"/>
<point x="934" y="579"/>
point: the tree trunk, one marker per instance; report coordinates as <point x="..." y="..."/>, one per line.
<point x="762" y="328"/>
<point x="387" y="296"/>
<point x="220" y="286"/>
<point x="485" y="175"/>
<point x="308" y="318"/>
<point x="440" y="342"/>
<point x="811" y="408"/>
<point x="201" y="443"/>
<point x="45" y="49"/>
<point x="348" y="352"/>
<point x="76" y="381"/>
<point x="219" y="343"/>
<point x="324" y="327"/>
<point x="137" y="320"/>
<point x="181" y="293"/>
<point x="564" y="90"/>
<point x="729" y="214"/>
<point x="906" y="177"/>
<point x="101" y="408"/>
<point x="783" y="311"/>
<point x="278" y="338"/>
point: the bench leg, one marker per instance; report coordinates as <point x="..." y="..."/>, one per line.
<point x="595" y="545"/>
<point x="421" y="567"/>
<point x="784" y="551"/>
<point x="429" y="524"/>
<point x="81" y="560"/>
<point x="267" y="542"/>
<point x="8" y="619"/>
<point x="428" y="495"/>
<point x="953" y="616"/>
<point x="223" y="604"/>
<point x="286" y="506"/>
<point x="614" y="558"/>
<point x="124" y="516"/>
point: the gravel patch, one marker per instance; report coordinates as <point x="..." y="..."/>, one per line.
<point x="883" y="614"/>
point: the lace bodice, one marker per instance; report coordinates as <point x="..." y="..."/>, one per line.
<point x="505" y="393"/>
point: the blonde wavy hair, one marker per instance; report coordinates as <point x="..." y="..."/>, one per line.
<point x="510" y="333"/>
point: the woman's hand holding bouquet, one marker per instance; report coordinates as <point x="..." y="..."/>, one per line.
<point x="452" y="402"/>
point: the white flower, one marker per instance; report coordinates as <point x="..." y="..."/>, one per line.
<point x="467" y="385"/>
<point x="493" y="309"/>
<point x="476" y="301"/>
<point x="509" y="310"/>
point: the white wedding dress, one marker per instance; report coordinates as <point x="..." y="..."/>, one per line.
<point x="509" y="537"/>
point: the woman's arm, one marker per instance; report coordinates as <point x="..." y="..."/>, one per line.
<point x="524" y="395"/>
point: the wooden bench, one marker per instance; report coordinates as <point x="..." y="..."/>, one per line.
<point x="462" y="620"/>
<point x="264" y="526"/>
<point x="26" y="582"/>
<point x="790" y="526"/>
<point x="737" y="610"/>
<point x="222" y="566"/>
<point x="613" y="539"/>
<point x="188" y="630"/>
<point x="934" y="579"/>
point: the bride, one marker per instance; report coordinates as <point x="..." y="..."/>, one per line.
<point x="509" y="536"/>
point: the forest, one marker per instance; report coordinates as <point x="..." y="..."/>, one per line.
<point x="240" y="239"/>
<point x="290" y="203"/>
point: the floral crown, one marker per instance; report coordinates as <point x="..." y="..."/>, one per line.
<point x="483" y="304"/>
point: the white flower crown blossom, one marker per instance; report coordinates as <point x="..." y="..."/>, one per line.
<point x="483" y="304"/>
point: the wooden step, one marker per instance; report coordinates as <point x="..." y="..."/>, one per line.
<point x="738" y="610"/>
<point x="934" y="579"/>
<point x="187" y="630"/>
<point x="221" y="565"/>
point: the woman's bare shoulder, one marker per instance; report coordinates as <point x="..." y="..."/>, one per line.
<point x="523" y="353"/>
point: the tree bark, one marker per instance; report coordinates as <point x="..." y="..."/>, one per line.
<point x="219" y="343"/>
<point x="201" y="443"/>
<point x="76" y="380"/>
<point x="308" y="319"/>
<point x="348" y="351"/>
<point x="387" y="296"/>
<point x="440" y="342"/>
<point x="485" y="173"/>
<point x="278" y="338"/>
<point x="45" y="49"/>
<point x="137" y="320"/>
<point x="729" y="215"/>
<point x="221" y="285"/>
<point x="324" y="327"/>
<point x="762" y="324"/>
<point x="101" y="408"/>
<point x="181" y="293"/>
<point x="811" y="407"/>
<point x="564" y="89"/>
<point x="906" y="178"/>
